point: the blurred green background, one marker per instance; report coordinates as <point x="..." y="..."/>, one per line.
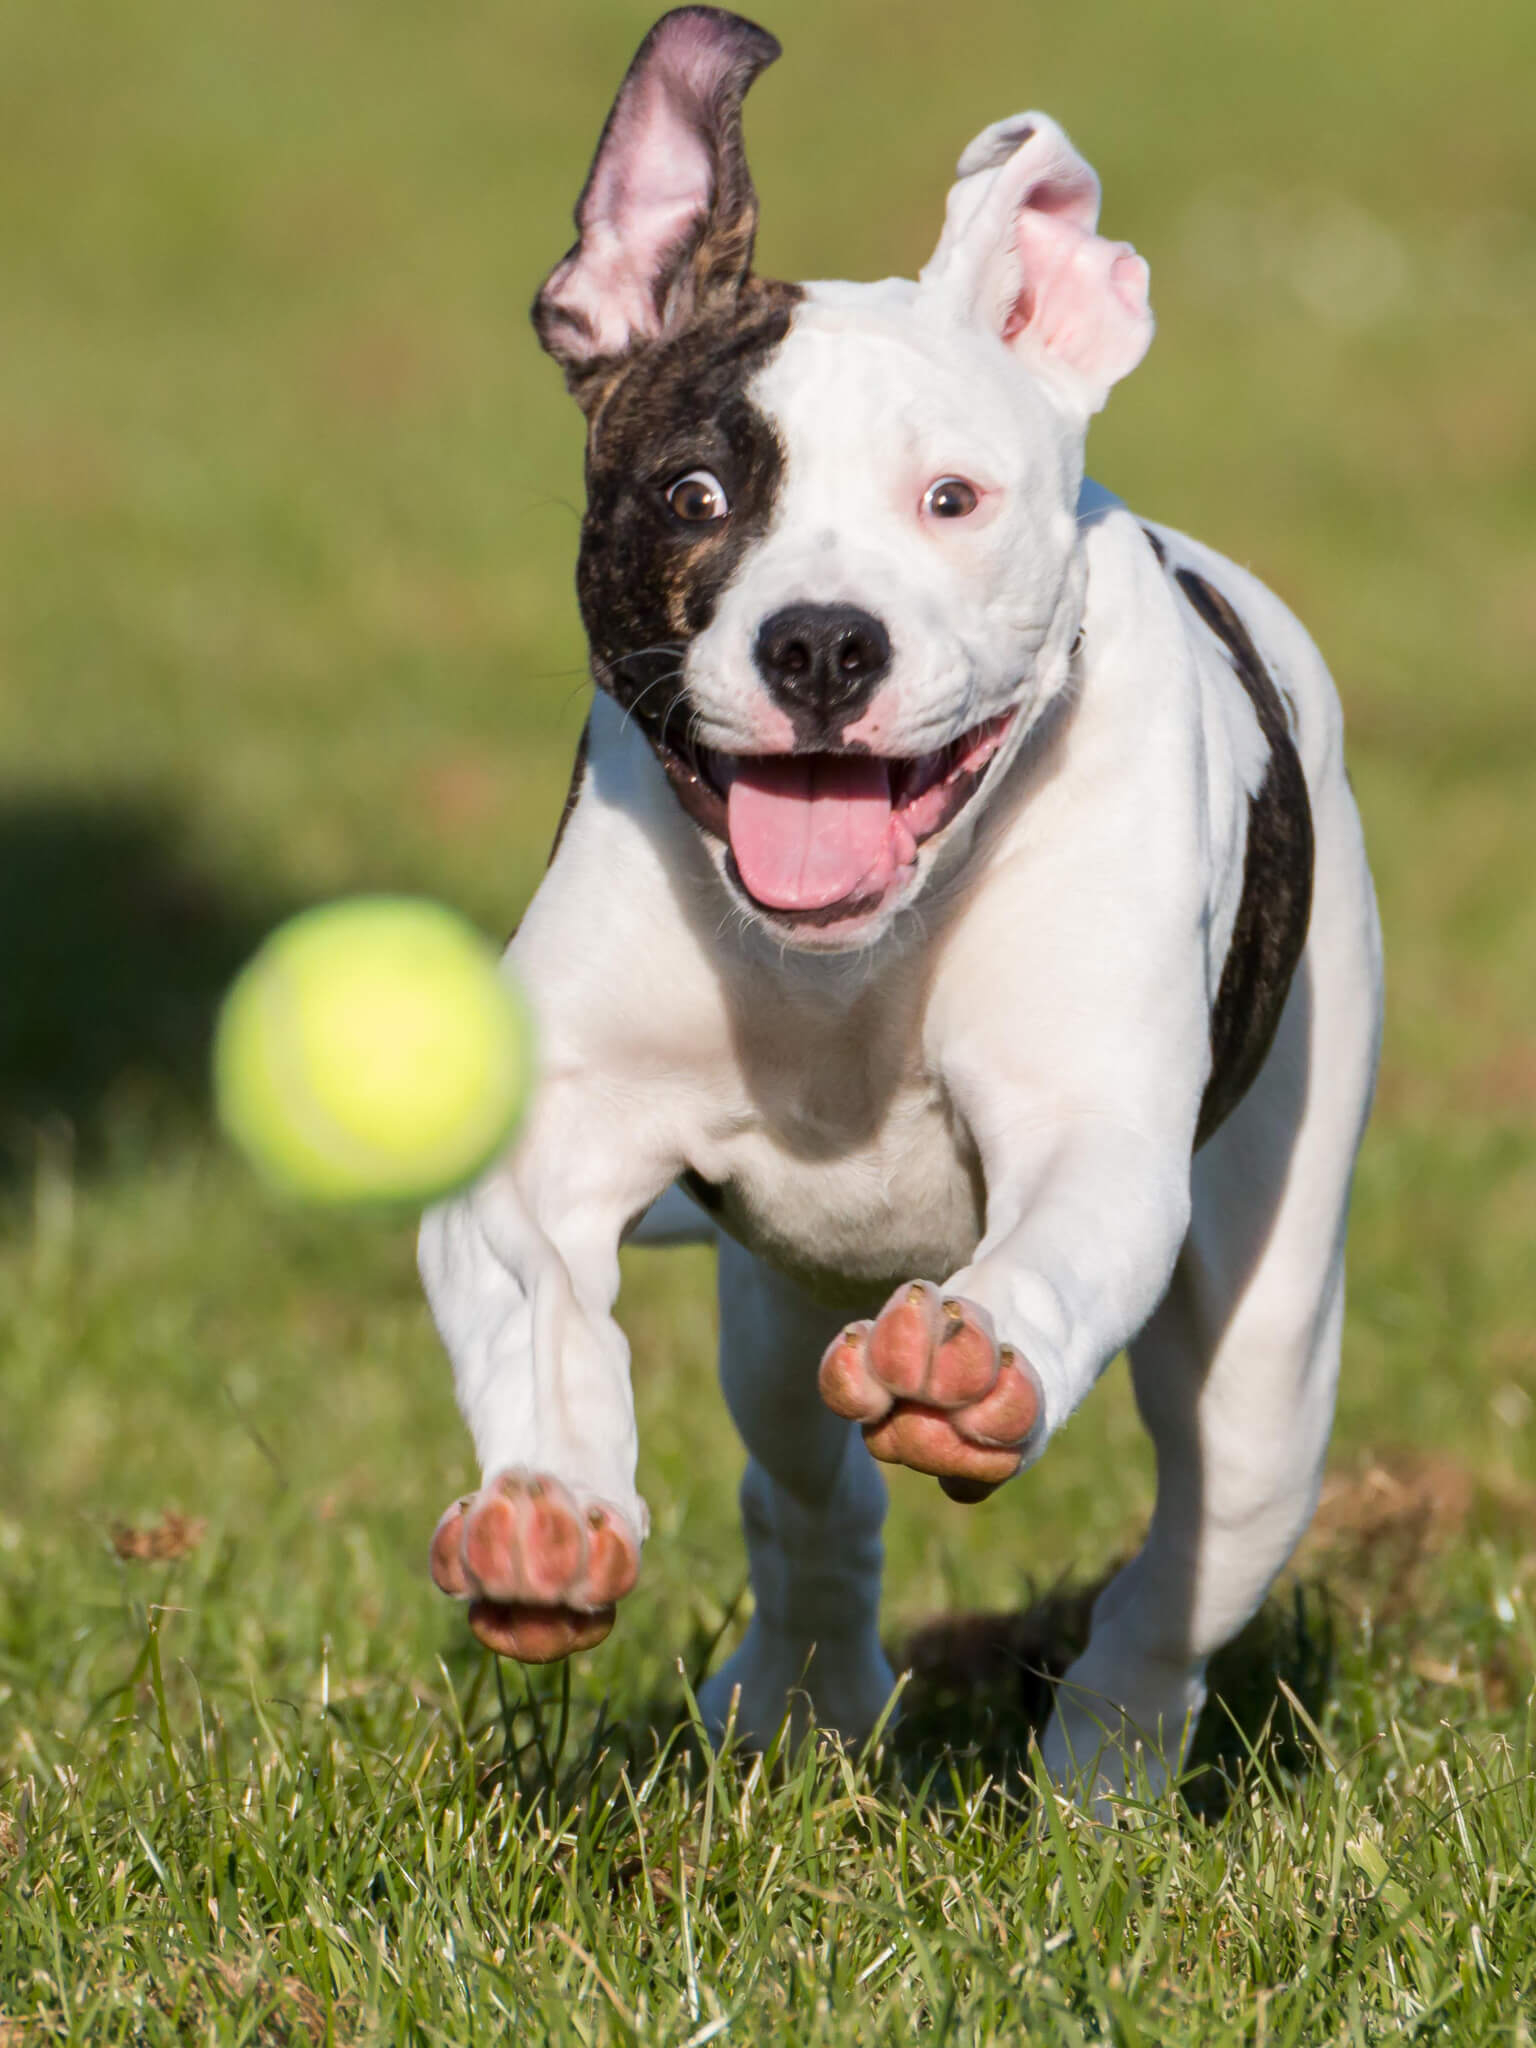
<point x="288" y="511"/>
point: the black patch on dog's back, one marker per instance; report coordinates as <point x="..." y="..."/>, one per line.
<point x="1270" y="929"/>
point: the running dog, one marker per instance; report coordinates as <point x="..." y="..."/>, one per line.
<point x="960" y="912"/>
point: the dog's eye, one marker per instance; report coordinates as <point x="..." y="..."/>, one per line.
<point x="698" y="498"/>
<point x="951" y="498"/>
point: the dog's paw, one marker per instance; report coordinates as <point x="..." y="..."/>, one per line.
<point x="541" y="1572"/>
<point x="934" y="1389"/>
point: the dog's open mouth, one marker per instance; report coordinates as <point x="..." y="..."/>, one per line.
<point x="821" y="837"/>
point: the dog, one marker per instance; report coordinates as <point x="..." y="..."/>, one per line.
<point x="960" y="913"/>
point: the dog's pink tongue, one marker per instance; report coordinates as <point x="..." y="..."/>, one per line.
<point x="806" y="829"/>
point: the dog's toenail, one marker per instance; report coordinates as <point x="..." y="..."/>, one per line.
<point x="535" y="1489"/>
<point x="594" y="1518"/>
<point x="955" y="1311"/>
<point x="915" y="1293"/>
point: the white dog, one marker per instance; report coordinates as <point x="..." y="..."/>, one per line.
<point x="960" y="896"/>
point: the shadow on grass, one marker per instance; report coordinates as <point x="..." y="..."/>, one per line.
<point x="980" y="1685"/>
<point x="981" y="1690"/>
<point x="978" y="1694"/>
<point x="117" y="948"/>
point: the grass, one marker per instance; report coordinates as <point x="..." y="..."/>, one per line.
<point x="287" y="509"/>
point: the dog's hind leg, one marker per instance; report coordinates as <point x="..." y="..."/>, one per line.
<point x="1235" y="1373"/>
<point x="812" y="1502"/>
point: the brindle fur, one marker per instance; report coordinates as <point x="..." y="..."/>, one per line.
<point x="1270" y="929"/>
<point x="704" y="276"/>
<point x="647" y="583"/>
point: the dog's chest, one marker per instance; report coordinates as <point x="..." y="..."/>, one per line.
<point x="841" y="1162"/>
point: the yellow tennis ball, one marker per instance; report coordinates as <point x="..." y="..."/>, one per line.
<point x="372" y="1051"/>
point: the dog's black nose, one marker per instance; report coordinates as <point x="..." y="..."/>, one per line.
<point x="822" y="658"/>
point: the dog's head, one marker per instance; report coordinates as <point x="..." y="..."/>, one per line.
<point x="830" y="559"/>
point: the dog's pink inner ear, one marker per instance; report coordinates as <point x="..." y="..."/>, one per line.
<point x="1021" y="253"/>
<point x="670" y="176"/>
<point x="1081" y="299"/>
<point x="650" y="189"/>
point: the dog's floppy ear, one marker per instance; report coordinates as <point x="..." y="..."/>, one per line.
<point x="667" y="217"/>
<point x="1019" y="255"/>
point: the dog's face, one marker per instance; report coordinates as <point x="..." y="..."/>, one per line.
<point x="830" y="557"/>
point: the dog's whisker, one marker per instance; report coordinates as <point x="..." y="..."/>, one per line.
<point x="675" y="648"/>
<point x="633" y="706"/>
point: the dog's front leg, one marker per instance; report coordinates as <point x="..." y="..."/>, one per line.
<point x="968" y="1381"/>
<point x="522" y="1274"/>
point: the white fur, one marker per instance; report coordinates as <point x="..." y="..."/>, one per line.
<point x="996" y="1085"/>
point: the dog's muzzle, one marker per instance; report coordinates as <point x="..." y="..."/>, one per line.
<point x="822" y="663"/>
<point x="817" y="838"/>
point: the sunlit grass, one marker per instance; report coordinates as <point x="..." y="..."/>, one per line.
<point x="288" y="504"/>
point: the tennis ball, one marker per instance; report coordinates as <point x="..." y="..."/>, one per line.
<point x="372" y="1052"/>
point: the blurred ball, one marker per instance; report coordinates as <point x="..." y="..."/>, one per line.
<point x="372" y="1052"/>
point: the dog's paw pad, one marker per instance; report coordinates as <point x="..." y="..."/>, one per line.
<point x="928" y="1346"/>
<point x="934" y="1390"/>
<point x="847" y="1383"/>
<point x="1009" y="1409"/>
<point x="447" y="1562"/>
<point x="541" y="1571"/>
<point x="613" y="1557"/>
<point x="534" y="1634"/>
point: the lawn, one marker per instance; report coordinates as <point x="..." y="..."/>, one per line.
<point x="288" y="503"/>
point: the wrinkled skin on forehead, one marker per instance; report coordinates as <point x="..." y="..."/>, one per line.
<point x="645" y="584"/>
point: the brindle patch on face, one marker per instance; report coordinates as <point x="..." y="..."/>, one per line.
<point x="647" y="582"/>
